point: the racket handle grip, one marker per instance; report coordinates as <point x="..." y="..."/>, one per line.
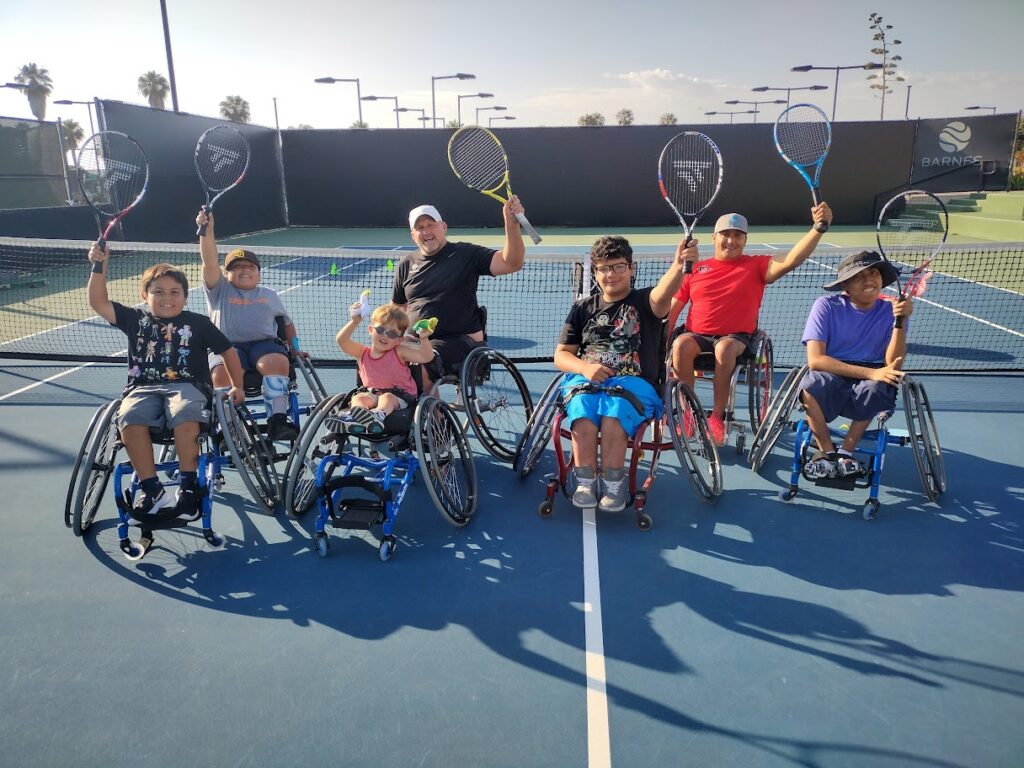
<point x="821" y="226"/>
<point x="201" y="231"/>
<point x="688" y="266"/>
<point x="528" y="228"/>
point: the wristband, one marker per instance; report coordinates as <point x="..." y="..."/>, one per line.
<point x="295" y="343"/>
<point x="97" y="267"/>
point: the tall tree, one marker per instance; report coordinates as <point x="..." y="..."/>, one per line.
<point x="39" y="87"/>
<point x="154" y="87"/>
<point x="624" y="117"/>
<point x="235" y="108"/>
<point x="592" y="119"/>
<point x="888" y="70"/>
<point x="73" y="133"/>
<point x="667" y="119"/>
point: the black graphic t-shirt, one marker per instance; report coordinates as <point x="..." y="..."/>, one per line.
<point x="625" y="335"/>
<point x="168" y="350"/>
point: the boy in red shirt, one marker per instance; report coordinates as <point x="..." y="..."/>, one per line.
<point x="725" y="294"/>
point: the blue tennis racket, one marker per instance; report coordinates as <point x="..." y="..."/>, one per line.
<point x="803" y="136"/>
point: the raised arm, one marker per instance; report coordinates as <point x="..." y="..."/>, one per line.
<point x="661" y="295"/>
<point x="418" y="353"/>
<point x="897" y="348"/>
<point x="208" y="250"/>
<point x="783" y="265"/>
<point x="99" y="300"/>
<point x="512" y="255"/>
<point x="344" y="338"/>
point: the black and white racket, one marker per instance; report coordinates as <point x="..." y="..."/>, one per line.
<point x="803" y="136"/>
<point x="690" y="174"/>
<point x="113" y="172"/>
<point x="222" y="158"/>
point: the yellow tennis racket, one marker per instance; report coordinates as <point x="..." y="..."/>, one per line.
<point x="478" y="159"/>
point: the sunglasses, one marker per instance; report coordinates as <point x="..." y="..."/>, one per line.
<point x="385" y="331"/>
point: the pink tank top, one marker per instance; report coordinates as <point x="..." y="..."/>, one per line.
<point x="385" y="372"/>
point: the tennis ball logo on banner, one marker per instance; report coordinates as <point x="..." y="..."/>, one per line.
<point x="955" y="137"/>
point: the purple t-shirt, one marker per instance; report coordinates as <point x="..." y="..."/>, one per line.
<point x="850" y="334"/>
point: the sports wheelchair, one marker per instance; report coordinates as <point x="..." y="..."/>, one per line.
<point x="232" y="438"/>
<point x="695" y="449"/>
<point x="920" y="434"/>
<point x="358" y="481"/>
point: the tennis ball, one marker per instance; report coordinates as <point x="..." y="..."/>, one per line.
<point x="954" y="137"/>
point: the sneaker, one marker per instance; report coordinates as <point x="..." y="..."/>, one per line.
<point x="615" y="491"/>
<point x="187" y="504"/>
<point x="359" y="419"/>
<point x="847" y="466"/>
<point x="585" y="496"/>
<point x="820" y="466"/>
<point x="150" y="505"/>
<point x="377" y="425"/>
<point x="717" y="427"/>
<point x="279" y="428"/>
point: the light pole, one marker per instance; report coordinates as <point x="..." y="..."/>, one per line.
<point x="490" y="120"/>
<point x="170" y="58"/>
<point x="433" y="94"/>
<point x="977" y="107"/>
<point x="756" y="104"/>
<point x="385" y="98"/>
<point x="484" y="109"/>
<point x="423" y="114"/>
<point x="906" y="112"/>
<point x="359" y="96"/>
<point x="462" y="96"/>
<point x="835" y="91"/>
<point x="763" y="88"/>
<point x="88" y="108"/>
<point x="730" y="114"/>
<point x="277" y="123"/>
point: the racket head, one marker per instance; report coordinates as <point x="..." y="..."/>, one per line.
<point x="690" y="172"/>
<point x="221" y="158"/>
<point x="803" y="137"/>
<point x="478" y="159"/>
<point x="912" y="228"/>
<point x="113" y="172"/>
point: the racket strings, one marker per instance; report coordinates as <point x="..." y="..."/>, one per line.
<point x="912" y="226"/>
<point x="690" y="172"/>
<point x="478" y="159"/>
<point x="803" y="137"/>
<point x="222" y="156"/>
<point x="113" y="171"/>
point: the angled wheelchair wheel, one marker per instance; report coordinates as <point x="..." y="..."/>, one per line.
<point x="316" y="440"/>
<point x="316" y="387"/>
<point x="93" y="469"/>
<point x="445" y="460"/>
<point x="777" y="418"/>
<point x="759" y="382"/>
<point x="251" y="455"/>
<point x="537" y="434"/>
<point x="83" y="453"/>
<point x="924" y="440"/>
<point x="695" y="448"/>
<point x="497" y="401"/>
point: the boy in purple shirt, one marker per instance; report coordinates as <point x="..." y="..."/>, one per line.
<point x="855" y="355"/>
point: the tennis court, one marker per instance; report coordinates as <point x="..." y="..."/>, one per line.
<point x="748" y="632"/>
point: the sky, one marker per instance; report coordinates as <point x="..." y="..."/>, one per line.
<point x="546" y="61"/>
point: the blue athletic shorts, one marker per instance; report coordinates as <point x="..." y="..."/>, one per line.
<point x="597" y="405"/>
<point x="855" y="399"/>
<point x="249" y="352"/>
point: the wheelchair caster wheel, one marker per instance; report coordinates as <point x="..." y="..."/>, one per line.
<point x="136" y="552"/>
<point x="870" y="509"/>
<point x="787" y="494"/>
<point x="214" y="540"/>
<point x="741" y="442"/>
<point x="218" y="483"/>
<point x="544" y="510"/>
<point x="643" y="521"/>
<point x="387" y="548"/>
<point x="321" y="544"/>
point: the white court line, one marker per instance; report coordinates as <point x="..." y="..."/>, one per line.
<point x="598" y="744"/>
<point x="51" y="378"/>
<point x="321" y="277"/>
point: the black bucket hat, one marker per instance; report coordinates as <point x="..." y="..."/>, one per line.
<point x="858" y="262"/>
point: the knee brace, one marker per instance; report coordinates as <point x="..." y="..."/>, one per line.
<point x="275" y="393"/>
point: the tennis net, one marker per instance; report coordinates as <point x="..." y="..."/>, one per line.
<point x="970" y="319"/>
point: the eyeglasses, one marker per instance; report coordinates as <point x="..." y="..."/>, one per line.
<point x="606" y="269"/>
<point x="383" y="330"/>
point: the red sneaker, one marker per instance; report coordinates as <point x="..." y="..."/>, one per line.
<point x="717" y="427"/>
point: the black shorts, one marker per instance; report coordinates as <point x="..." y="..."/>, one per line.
<point x="707" y="343"/>
<point x="449" y="354"/>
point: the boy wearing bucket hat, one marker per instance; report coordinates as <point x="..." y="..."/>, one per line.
<point x="854" y="354"/>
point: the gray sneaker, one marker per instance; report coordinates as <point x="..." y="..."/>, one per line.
<point x="585" y="496"/>
<point x="616" y="494"/>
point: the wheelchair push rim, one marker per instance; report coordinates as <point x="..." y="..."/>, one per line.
<point x="497" y="401"/>
<point x="445" y="461"/>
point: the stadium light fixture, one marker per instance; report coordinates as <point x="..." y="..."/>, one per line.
<point x="385" y="98"/>
<point x="756" y="104"/>
<point x="88" y="108"/>
<point x="359" y="96"/>
<point x="731" y="114"/>
<point x="16" y="86"/>
<point x="979" y="107"/>
<point x="490" y="120"/>
<point x="484" y="109"/>
<point x="462" y="96"/>
<point x="423" y="113"/>
<point x="433" y="95"/>
<point x="835" y="91"/>
<point x="789" y="90"/>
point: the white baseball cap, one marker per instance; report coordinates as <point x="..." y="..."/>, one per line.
<point x="423" y="210"/>
<point x="731" y="221"/>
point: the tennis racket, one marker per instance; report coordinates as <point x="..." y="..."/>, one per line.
<point x="113" y="173"/>
<point x="689" y="175"/>
<point x="912" y="229"/>
<point x="222" y="158"/>
<point x="478" y="159"/>
<point x="803" y="136"/>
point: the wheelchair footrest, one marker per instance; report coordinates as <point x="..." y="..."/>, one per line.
<point x="357" y="514"/>
<point x="847" y="483"/>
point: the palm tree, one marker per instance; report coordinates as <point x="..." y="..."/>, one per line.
<point x="154" y="87"/>
<point x="39" y="87"/>
<point x="235" y="108"/>
<point x="359" y="124"/>
<point x="73" y="133"/>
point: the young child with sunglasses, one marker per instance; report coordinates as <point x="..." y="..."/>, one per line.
<point x="386" y="382"/>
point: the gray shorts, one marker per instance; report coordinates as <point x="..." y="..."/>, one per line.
<point x="163" y="406"/>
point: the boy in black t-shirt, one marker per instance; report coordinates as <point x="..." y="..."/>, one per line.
<point x="614" y="340"/>
<point x="168" y="377"/>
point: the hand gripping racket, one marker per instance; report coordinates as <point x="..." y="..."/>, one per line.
<point x="803" y="136"/>
<point x="689" y="175"/>
<point x="222" y="158"/>
<point x="113" y="173"/>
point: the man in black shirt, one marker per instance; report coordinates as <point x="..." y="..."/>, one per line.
<point x="440" y="279"/>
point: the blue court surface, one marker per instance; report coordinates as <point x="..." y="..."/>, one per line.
<point x="745" y="633"/>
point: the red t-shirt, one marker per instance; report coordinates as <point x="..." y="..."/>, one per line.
<point x="725" y="296"/>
